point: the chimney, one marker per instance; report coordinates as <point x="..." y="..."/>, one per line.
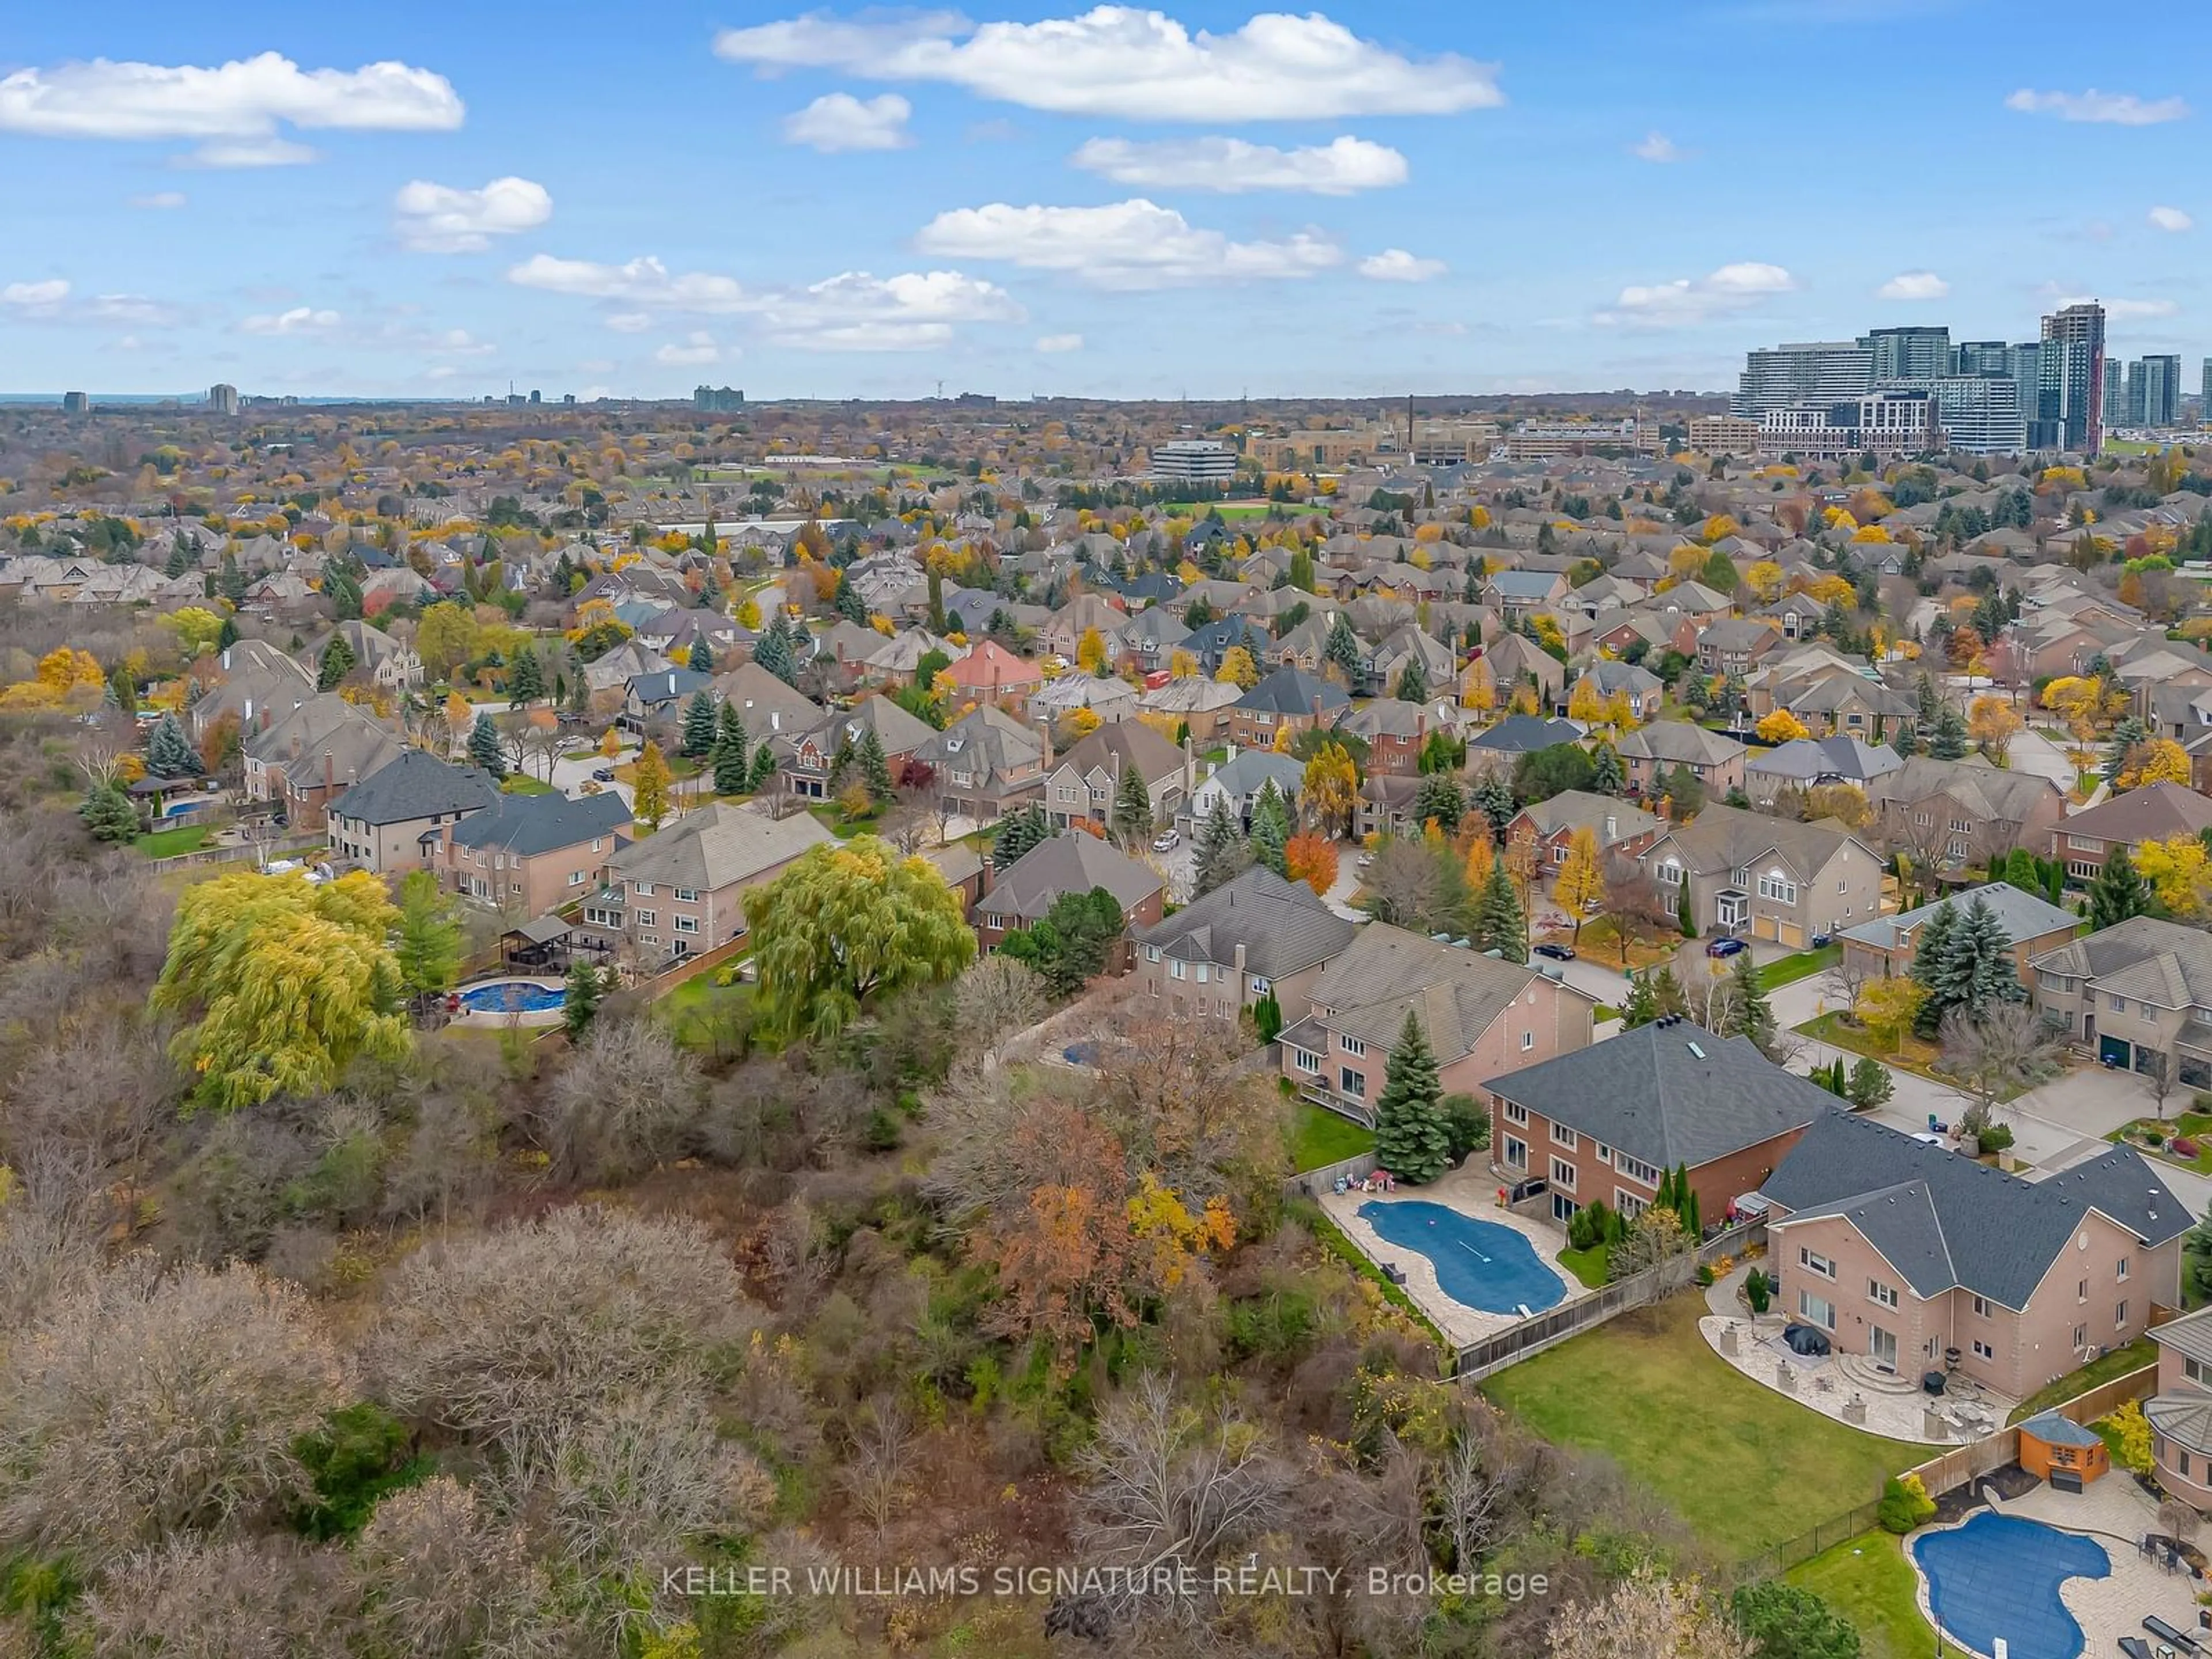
<point x="1239" y="958"/>
<point x="330" y="775"/>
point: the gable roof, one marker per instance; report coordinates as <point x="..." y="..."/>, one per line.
<point x="2152" y="960"/>
<point x="717" y="846"/>
<point x="1070" y="862"/>
<point x="529" y="824"/>
<point x="1669" y="1093"/>
<point x="1522" y="734"/>
<point x="2158" y="812"/>
<point x="1985" y="791"/>
<point x="1676" y="742"/>
<point x="1127" y="742"/>
<point x="1577" y="809"/>
<point x="416" y="785"/>
<point x="1387" y="972"/>
<point x="1283" y="927"/>
<point x="2023" y="915"/>
<point x="1947" y="1222"/>
<point x="1293" y="691"/>
<point x="1728" y="838"/>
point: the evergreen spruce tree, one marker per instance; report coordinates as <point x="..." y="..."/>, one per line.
<point x="849" y="605"/>
<point x="728" y="757"/>
<point x="1412" y="1140"/>
<point x="1607" y="775"/>
<point x="773" y="651"/>
<point x="1131" y="815"/>
<point x="1500" y="923"/>
<point x="485" y="749"/>
<point x="1686" y="916"/>
<point x="1933" y="945"/>
<point x="1950" y="742"/>
<point x="1221" y="853"/>
<point x="1640" y="1007"/>
<point x="581" y="1000"/>
<point x="1981" y="961"/>
<point x="699" y="659"/>
<point x="699" y="726"/>
<point x="763" y="769"/>
<point x="1413" y="683"/>
<point x="2126" y="734"/>
<point x="180" y="560"/>
<point x="1493" y="797"/>
<point x="1342" y="651"/>
<point x="1750" y="1014"/>
<point x="875" y="766"/>
<point x="230" y="581"/>
<point x="526" y="678"/>
<point x="1438" y="796"/>
<point x="1271" y="830"/>
<point x="108" y="814"/>
<point x="2117" y="892"/>
<point x="337" y="662"/>
<point x="1018" y="833"/>
<point x="226" y="635"/>
<point x="1930" y="706"/>
<point x="169" y="751"/>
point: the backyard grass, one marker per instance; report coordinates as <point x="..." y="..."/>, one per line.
<point x="1914" y="1055"/>
<point x="516" y="784"/>
<point x="1869" y="1580"/>
<point x="1320" y="1137"/>
<point x="167" y="843"/>
<point x="692" y="1009"/>
<point x="1600" y="943"/>
<point x="1604" y="1011"/>
<point x="1589" y="1266"/>
<point x="2137" y="1354"/>
<point x="1744" y="1466"/>
<point x="2189" y="1125"/>
<point x="1787" y="970"/>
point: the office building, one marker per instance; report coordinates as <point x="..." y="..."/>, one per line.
<point x="2069" y="400"/>
<point x="2024" y="363"/>
<point x="223" y="400"/>
<point x="1194" y="460"/>
<point x="1979" y="414"/>
<point x="75" y="403"/>
<point x="2116" y="393"/>
<point x="1723" y="435"/>
<point x="2160" y="404"/>
<point x="1888" y="423"/>
<point x="1538" y="440"/>
<point x="1909" y="354"/>
<point x="1810" y="371"/>
<point x="1448" y="442"/>
<point x="1984" y="357"/>
<point x="717" y="400"/>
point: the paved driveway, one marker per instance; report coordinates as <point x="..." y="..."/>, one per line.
<point x="2033" y="752"/>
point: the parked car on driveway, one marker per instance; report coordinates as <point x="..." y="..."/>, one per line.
<point x="1726" y="947"/>
<point x="1165" y="841"/>
<point x="603" y="775"/>
<point x="1557" y="952"/>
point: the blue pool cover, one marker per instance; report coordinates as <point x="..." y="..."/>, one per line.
<point x="1478" y="1263"/>
<point x="1998" y="1575"/>
<point x="511" y="996"/>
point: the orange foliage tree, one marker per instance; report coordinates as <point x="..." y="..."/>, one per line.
<point x="1311" y="859"/>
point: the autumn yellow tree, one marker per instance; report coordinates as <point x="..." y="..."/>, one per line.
<point x="1781" y="726"/>
<point x="1886" y="1008"/>
<point x="1619" y="713"/>
<point x="1181" y="666"/>
<point x="1764" y="580"/>
<point x="1524" y="699"/>
<point x="1480" y="692"/>
<point x="650" y="787"/>
<point x="1237" y="668"/>
<point x="1584" y="703"/>
<point x="2079" y="702"/>
<point x="66" y="679"/>
<point x="2159" y="760"/>
<point x="1992" y="722"/>
<point x="1090" y="652"/>
<point x="1331" y="786"/>
<point x="1481" y="857"/>
<point x="609" y="744"/>
<point x="1581" y="884"/>
<point x="2179" y="871"/>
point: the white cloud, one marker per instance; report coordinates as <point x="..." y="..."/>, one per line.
<point x="2172" y="218"/>
<point x="300" y="320"/>
<point x="1914" y="285"/>
<point x="40" y="299"/>
<point x="851" y="311"/>
<point x="1395" y="265"/>
<point x="1126" y="244"/>
<point x="446" y="219"/>
<point x="2122" y="311"/>
<point x="2120" y="108"/>
<point x="161" y="200"/>
<point x="697" y="347"/>
<point x="1688" y="301"/>
<point x="135" y="310"/>
<point x="1133" y="64"/>
<point x="1231" y="166"/>
<point x="1655" y="147"/>
<point x="235" y="109"/>
<point x="838" y="122"/>
<point x="1056" y="343"/>
<point x="459" y="342"/>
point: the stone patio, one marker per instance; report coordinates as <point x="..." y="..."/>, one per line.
<point x="2115" y="1513"/>
<point x="1474" y="1193"/>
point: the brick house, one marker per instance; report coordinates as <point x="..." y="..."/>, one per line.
<point x="988" y="763"/>
<point x="1949" y="814"/>
<point x="993" y="675"/>
<point x="1396" y="733"/>
<point x="1482" y="1015"/>
<point x="1073" y="861"/>
<point x="1246" y="938"/>
<point x="2160" y="812"/>
<point x="807" y="760"/>
<point x="1549" y="826"/>
<point x="681" y="890"/>
<point x="1289" y="698"/>
<point x="315" y="752"/>
<point x="1919" y="1259"/>
<point x="1885" y="948"/>
<point x="1080" y="785"/>
<point x="391" y="821"/>
<point x="1608" y="1121"/>
<point x="530" y="854"/>
<point x="2138" y="995"/>
<point x="1768" y="878"/>
<point x="1649" y="753"/>
<point x="2181" y="1412"/>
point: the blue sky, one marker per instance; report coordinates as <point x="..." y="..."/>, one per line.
<point x="417" y="200"/>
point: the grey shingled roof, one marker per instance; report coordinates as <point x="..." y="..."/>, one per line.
<point x="1677" y="741"/>
<point x="1283" y="927"/>
<point x="1387" y="972"/>
<point x="1071" y="862"/>
<point x="1294" y="691"/>
<point x="717" y="846"/>
<point x="417" y="785"/>
<point x="1669" y="1094"/>
<point x="2021" y="915"/>
<point x="2156" y="813"/>
<point x="2144" y="957"/>
<point x="529" y="824"/>
<point x="2191" y="1333"/>
<point x="1944" y="1221"/>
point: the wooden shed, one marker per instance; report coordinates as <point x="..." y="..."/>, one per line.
<point x="2060" y="1451"/>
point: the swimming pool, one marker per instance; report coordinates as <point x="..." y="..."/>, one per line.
<point x="1479" y="1264"/>
<point x="1998" y="1575"/>
<point x="513" y="996"/>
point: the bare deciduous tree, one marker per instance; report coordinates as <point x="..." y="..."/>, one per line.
<point x="147" y="1403"/>
<point x="996" y="997"/>
<point x="193" y="1598"/>
<point x="877" y="1473"/>
<point x="626" y="1101"/>
<point x="2009" y="1048"/>
<point x="441" y="1575"/>
<point x="1644" y="1616"/>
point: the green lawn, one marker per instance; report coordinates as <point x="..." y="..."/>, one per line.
<point x="1604" y="1011"/>
<point x="2137" y="1354"/>
<point x="516" y="784"/>
<point x="1913" y="1056"/>
<point x="1320" y="1137"/>
<point x="2191" y="1126"/>
<point x="167" y="843"/>
<point x="1589" y="1266"/>
<point x="1869" y="1581"/>
<point x="692" y="1007"/>
<point x="1787" y="970"/>
<point x="1744" y="1466"/>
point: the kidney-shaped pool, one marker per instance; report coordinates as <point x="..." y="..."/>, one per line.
<point x="1479" y="1264"/>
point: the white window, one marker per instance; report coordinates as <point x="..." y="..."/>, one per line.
<point x="1982" y="1351"/>
<point x="2080" y="1337"/>
<point x="645" y="918"/>
<point x="1778" y="887"/>
<point x="1527" y="1041"/>
<point x="2120" y="1272"/>
<point x="2120" y="1316"/>
<point x="1885" y="1295"/>
<point x="1152" y="953"/>
<point x="575" y="878"/>
<point x="2198" y="1371"/>
<point x="1604" y="1153"/>
<point x="687" y="895"/>
<point x="2081" y="1294"/>
<point x="1630" y="1205"/>
<point x="1355" y="1083"/>
<point x="1310" y="1064"/>
<point x="1670" y="873"/>
<point x="1202" y="976"/>
<point x="1352" y="1046"/>
<point x="642" y="889"/>
<point x="1563" y="1136"/>
<point x="1176" y="970"/>
<point x="596" y="839"/>
<point x="1816" y="1310"/>
<point x="687" y="924"/>
<point x="1981" y="1307"/>
<point x="1516" y="1112"/>
<point x="1813" y="1262"/>
<point x="1636" y="1168"/>
<point x="1563" y="1174"/>
<point x="1261" y="986"/>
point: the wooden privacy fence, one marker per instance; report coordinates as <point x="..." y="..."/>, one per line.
<point x="1477" y="1360"/>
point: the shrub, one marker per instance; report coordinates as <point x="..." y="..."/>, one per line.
<point x="1905" y="1505"/>
<point x="2200" y="1102"/>
<point x="1757" y="1291"/>
<point x="360" y="1454"/>
<point x="2131" y="1431"/>
<point x="1580" y="1234"/>
<point x="1994" y="1138"/>
<point x="1786" y="1622"/>
<point x="2185" y="1147"/>
<point x="2154" y="1137"/>
<point x="1704" y="1274"/>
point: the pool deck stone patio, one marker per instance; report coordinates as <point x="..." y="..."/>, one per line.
<point x="2116" y="1512"/>
<point x="1474" y="1193"/>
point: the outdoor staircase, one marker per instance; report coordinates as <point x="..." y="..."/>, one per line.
<point x="1861" y="1371"/>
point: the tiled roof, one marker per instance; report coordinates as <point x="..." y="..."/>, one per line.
<point x="1386" y="972"/>
<point x="417" y="785"/>
<point x="1283" y="926"/>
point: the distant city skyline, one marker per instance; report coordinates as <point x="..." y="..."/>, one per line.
<point x="419" y="202"/>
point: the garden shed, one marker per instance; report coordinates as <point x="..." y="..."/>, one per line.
<point x="2058" y="1449"/>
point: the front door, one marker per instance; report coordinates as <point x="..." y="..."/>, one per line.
<point x="1882" y="1344"/>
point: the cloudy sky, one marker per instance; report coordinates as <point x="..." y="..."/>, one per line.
<point x="408" y="199"/>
